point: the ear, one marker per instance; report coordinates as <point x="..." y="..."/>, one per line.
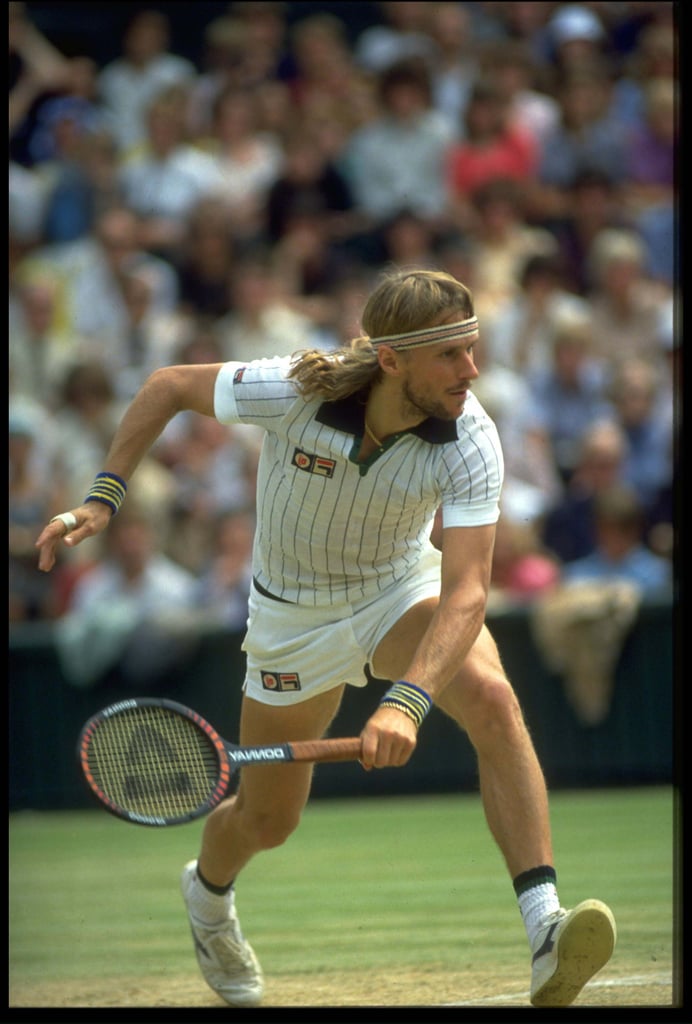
<point x="389" y="360"/>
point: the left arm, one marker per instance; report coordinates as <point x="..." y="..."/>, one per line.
<point x="466" y="567"/>
<point x="389" y="737"/>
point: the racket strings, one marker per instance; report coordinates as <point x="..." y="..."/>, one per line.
<point x="152" y="762"/>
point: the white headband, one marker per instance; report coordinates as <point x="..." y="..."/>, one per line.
<point x="430" y="335"/>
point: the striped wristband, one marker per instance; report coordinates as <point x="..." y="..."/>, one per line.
<point x="109" y="489"/>
<point x="409" y="698"/>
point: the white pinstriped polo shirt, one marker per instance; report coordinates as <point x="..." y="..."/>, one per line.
<point x="331" y="529"/>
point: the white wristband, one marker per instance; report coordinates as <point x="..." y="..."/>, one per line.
<point x="68" y="519"/>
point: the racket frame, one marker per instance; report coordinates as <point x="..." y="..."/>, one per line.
<point x="225" y="766"/>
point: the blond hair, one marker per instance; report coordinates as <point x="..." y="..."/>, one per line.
<point x="404" y="300"/>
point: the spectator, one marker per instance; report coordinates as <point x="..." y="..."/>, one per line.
<point x="72" y="111"/>
<point x="324" y="69"/>
<point x="519" y="333"/>
<point x="261" y="323"/>
<point x="454" y="64"/>
<point x="84" y="418"/>
<point x="39" y="351"/>
<point x="81" y="189"/>
<point x="309" y="179"/>
<point x="592" y="203"/>
<point x="35" y="496"/>
<point x="205" y="259"/>
<point x="525" y="22"/>
<point x="145" y="67"/>
<point x="658" y="227"/>
<point x="401" y="32"/>
<point x="307" y="265"/>
<point x="576" y="37"/>
<point x="626" y="303"/>
<point x="37" y="71"/>
<point x="26" y="213"/>
<point x="651" y="149"/>
<point x="521" y="568"/>
<point x="164" y="179"/>
<point x="523" y="87"/>
<point x="133" y="611"/>
<point x="587" y="137"/>
<point x="570" y="393"/>
<point x="90" y="273"/>
<point x="399" y="160"/>
<point x="149" y="337"/>
<point x="493" y="148"/>
<point x="409" y="240"/>
<point x="621" y="553"/>
<point x="655" y="56"/>
<point x="648" y="466"/>
<point x="568" y="527"/>
<point x="225" y="53"/>
<point x="213" y="470"/>
<point x="266" y="23"/>
<point x="69" y="139"/>
<point x="224" y="586"/>
<point x="532" y="483"/>
<point x="347" y="297"/>
<point x="248" y="160"/>
<point x="502" y="242"/>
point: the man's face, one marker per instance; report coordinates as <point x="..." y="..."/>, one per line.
<point x="436" y="378"/>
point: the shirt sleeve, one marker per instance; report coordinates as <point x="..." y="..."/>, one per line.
<point x="474" y="472"/>
<point x="257" y="392"/>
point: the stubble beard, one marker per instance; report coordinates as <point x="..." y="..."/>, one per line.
<point x="416" y="405"/>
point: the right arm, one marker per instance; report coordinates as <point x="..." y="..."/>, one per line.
<point x="164" y="394"/>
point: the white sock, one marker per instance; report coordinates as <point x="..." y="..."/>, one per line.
<point x="207" y="906"/>
<point x="535" y="904"/>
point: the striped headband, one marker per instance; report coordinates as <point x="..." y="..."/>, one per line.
<point x="430" y="335"/>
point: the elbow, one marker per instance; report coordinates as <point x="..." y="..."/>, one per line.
<point x="470" y="603"/>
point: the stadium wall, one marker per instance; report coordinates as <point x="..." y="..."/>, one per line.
<point x="634" y="745"/>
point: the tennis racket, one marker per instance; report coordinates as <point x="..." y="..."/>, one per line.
<point x="153" y="761"/>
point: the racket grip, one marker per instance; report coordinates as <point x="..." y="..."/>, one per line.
<point x="338" y="749"/>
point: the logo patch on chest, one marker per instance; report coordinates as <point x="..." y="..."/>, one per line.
<point x="313" y="463"/>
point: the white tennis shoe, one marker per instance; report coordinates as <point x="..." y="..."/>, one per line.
<point x="571" y="947"/>
<point x="226" y="959"/>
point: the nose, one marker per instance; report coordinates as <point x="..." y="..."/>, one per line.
<point x="468" y="369"/>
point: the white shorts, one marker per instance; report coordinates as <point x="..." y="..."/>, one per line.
<point x="294" y="653"/>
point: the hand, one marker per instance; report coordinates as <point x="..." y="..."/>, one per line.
<point x="388" y="739"/>
<point x="91" y="519"/>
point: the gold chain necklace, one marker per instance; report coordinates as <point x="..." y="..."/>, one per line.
<point x="373" y="437"/>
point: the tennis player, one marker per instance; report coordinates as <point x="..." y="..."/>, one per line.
<point x="362" y="446"/>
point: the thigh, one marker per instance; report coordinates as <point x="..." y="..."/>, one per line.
<point x="282" y="788"/>
<point x="395" y="651"/>
<point x="480" y="669"/>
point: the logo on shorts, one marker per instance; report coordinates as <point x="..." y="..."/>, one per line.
<point x="313" y="463"/>
<point x="280" y="681"/>
<point x="238" y="375"/>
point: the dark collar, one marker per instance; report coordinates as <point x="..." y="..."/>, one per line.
<point x="347" y="414"/>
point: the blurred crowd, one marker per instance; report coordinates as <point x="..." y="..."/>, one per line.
<point x="166" y="209"/>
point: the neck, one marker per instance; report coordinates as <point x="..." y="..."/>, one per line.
<point x="385" y="415"/>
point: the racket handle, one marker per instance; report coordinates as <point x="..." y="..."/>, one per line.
<point x="337" y="749"/>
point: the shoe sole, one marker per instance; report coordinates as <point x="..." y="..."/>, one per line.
<point x="585" y="944"/>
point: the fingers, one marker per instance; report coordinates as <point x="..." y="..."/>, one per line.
<point x="388" y="740"/>
<point x="72" y="528"/>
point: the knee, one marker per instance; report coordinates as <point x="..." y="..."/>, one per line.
<point x="268" y="830"/>
<point x="498" y="706"/>
<point x="489" y="711"/>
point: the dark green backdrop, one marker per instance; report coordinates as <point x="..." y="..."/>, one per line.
<point x="634" y="745"/>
